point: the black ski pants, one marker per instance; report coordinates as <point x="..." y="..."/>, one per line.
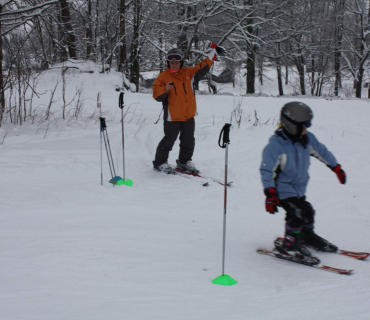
<point x="171" y="132"/>
<point x="299" y="213"/>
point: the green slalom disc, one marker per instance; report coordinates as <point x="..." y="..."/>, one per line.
<point x="224" y="280"/>
<point x="126" y="182"/>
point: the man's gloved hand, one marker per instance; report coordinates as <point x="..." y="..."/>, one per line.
<point x="216" y="50"/>
<point x="221" y="51"/>
<point x="272" y="201"/>
<point x="340" y="173"/>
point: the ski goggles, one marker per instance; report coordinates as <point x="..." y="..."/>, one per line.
<point x="307" y="124"/>
<point x="174" y="57"/>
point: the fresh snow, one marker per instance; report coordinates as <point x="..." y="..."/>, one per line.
<point x="74" y="249"/>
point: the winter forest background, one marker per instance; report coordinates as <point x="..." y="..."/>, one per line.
<point x="319" y="47"/>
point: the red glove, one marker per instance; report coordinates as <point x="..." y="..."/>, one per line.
<point x="272" y="201"/>
<point x="221" y="51"/>
<point x="340" y="173"/>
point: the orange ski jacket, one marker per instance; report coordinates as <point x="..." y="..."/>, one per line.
<point x="179" y="102"/>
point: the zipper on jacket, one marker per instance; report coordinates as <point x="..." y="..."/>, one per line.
<point x="185" y="92"/>
<point x="175" y="90"/>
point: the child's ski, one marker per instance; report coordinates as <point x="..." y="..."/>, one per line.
<point x="300" y="261"/>
<point x="354" y="254"/>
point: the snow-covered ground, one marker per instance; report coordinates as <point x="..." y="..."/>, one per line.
<point x="73" y="249"/>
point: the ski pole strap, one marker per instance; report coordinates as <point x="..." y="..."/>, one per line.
<point x="120" y="100"/>
<point x="103" y="125"/>
<point x="225" y="134"/>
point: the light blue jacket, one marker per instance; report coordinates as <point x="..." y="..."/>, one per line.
<point x="285" y="163"/>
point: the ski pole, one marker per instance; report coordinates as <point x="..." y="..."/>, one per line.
<point x="225" y="144"/>
<point x="101" y="138"/>
<point x="224" y="279"/>
<point x="103" y="127"/>
<point x="116" y="180"/>
<point x="121" y="104"/>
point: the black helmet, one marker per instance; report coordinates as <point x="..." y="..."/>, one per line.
<point x="294" y="117"/>
<point x="175" y="54"/>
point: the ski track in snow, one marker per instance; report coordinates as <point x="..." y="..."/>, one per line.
<point x="73" y="249"/>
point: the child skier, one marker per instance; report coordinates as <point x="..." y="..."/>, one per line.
<point x="284" y="172"/>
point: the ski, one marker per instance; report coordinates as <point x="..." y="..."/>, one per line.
<point x="204" y="184"/>
<point x="173" y="172"/>
<point x="354" y="254"/>
<point x="300" y="261"/>
<point x="202" y="176"/>
<point x="351" y="254"/>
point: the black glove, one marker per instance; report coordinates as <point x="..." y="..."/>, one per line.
<point x="221" y="51"/>
<point x="272" y="201"/>
<point x="340" y="173"/>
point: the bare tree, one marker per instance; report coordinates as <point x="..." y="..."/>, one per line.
<point x="357" y="37"/>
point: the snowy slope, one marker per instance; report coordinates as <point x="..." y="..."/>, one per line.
<point x="73" y="249"/>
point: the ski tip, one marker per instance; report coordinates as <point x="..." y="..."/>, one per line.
<point x="336" y="270"/>
<point x="355" y="255"/>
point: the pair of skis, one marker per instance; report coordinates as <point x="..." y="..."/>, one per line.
<point x="351" y="254"/>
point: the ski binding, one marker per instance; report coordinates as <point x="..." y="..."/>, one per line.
<point x="301" y="261"/>
<point x="351" y="254"/>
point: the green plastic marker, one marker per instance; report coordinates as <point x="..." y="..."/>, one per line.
<point x="224" y="280"/>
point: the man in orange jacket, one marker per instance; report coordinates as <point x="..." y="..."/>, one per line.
<point x="174" y="88"/>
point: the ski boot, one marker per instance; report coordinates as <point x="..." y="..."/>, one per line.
<point x="164" y="167"/>
<point x="310" y="238"/>
<point x="293" y="246"/>
<point x="188" y="167"/>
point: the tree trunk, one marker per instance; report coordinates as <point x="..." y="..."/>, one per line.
<point x="300" y="68"/>
<point x="301" y="79"/>
<point x="338" y="46"/>
<point x="135" y="51"/>
<point x="160" y="53"/>
<point x="52" y="44"/>
<point x="279" y="77"/>
<point x="251" y="72"/>
<point x="39" y="31"/>
<point x="2" y="95"/>
<point x="182" y="41"/>
<point x="286" y="74"/>
<point x="122" y="36"/>
<point x="70" y="37"/>
<point x="337" y="71"/>
<point x="89" y="32"/>
<point x="313" y="67"/>
<point x="359" y="81"/>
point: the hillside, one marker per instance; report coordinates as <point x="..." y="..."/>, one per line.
<point x="73" y="249"/>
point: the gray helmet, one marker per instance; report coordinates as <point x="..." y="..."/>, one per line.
<point x="175" y="54"/>
<point x="294" y="117"/>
